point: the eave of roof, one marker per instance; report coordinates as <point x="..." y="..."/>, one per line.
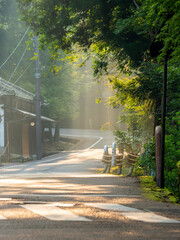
<point x="34" y="115"/>
<point x="7" y="88"/>
<point x="30" y="115"/>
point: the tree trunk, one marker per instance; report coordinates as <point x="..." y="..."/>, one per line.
<point x="50" y="136"/>
<point x="57" y="131"/>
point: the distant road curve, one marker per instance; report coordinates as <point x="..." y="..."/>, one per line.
<point x="93" y="138"/>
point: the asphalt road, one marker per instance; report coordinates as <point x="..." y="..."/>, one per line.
<point x="62" y="197"/>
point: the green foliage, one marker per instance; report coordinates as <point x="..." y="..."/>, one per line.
<point x="119" y="33"/>
<point x="60" y="81"/>
<point x="141" y="93"/>
<point x="163" y="17"/>
<point x="139" y="122"/>
<point x="172" y="155"/>
<point x="173" y="89"/>
<point x="124" y="29"/>
<point x="3" y="18"/>
<point x="147" y="158"/>
<point x="153" y="192"/>
<point x="123" y="141"/>
<point x="128" y="141"/>
<point x="105" y="24"/>
<point x="10" y="40"/>
<point x="61" y="93"/>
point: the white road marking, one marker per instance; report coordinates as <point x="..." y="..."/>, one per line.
<point x="113" y="207"/>
<point x="61" y="204"/>
<point x="53" y="212"/>
<point x="5" y="199"/>
<point x="148" y="217"/>
<point x="85" y="136"/>
<point x="100" y="139"/>
<point x="2" y="218"/>
<point x="133" y="213"/>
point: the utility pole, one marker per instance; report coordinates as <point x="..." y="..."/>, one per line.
<point x="38" y="101"/>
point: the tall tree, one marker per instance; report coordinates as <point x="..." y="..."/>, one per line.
<point x="121" y="32"/>
<point x="124" y="28"/>
<point x="2" y="14"/>
<point x="59" y="91"/>
<point x="14" y="57"/>
<point x="105" y="25"/>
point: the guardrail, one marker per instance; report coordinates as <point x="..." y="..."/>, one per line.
<point x="119" y="160"/>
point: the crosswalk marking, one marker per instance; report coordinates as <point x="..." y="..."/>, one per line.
<point x="2" y="218"/>
<point x="133" y="213"/>
<point x="114" y="207"/>
<point x="148" y="217"/>
<point x="5" y="199"/>
<point x="53" y="212"/>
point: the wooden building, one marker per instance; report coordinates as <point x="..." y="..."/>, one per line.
<point x="17" y="120"/>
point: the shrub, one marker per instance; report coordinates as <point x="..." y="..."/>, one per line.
<point x="172" y="155"/>
<point x="147" y="159"/>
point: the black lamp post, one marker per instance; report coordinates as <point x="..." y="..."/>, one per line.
<point x="163" y="122"/>
<point x="155" y="49"/>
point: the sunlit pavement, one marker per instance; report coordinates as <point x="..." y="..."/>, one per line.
<point x="62" y="197"/>
<point x="92" y="138"/>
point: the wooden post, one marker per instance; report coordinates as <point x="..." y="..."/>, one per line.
<point x="158" y="139"/>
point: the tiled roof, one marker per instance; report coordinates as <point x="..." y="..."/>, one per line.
<point x="7" y="88"/>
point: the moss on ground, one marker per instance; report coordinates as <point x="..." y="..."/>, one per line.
<point x="148" y="186"/>
<point x="151" y="191"/>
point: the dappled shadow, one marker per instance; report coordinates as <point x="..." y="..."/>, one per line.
<point x="73" y="185"/>
<point x="24" y="224"/>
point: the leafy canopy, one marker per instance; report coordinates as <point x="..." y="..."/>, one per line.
<point x="106" y="26"/>
<point x="121" y="32"/>
<point x="124" y="28"/>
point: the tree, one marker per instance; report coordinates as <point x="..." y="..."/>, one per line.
<point x="124" y="28"/>
<point x="59" y="91"/>
<point x="162" y="18"/>
<point x="142" y="91"/>
<point x="103" y="25"/>
<point x="3" y="18"/>
<point x="121" y="32"/>
<point x="13" y="47"/>
<point x="110" y="31"/>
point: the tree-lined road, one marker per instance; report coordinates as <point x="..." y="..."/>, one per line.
<point x="62" y="197"/>
<point x="84" y="158"/>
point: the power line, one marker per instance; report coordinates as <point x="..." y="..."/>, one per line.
<point x="22" y="73"/>
<point x="17" y="64"/>
<point x="15" y="47"/>
<point x="15" y="68"/>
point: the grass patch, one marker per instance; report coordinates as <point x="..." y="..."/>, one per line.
<point x="151" y="191"/>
